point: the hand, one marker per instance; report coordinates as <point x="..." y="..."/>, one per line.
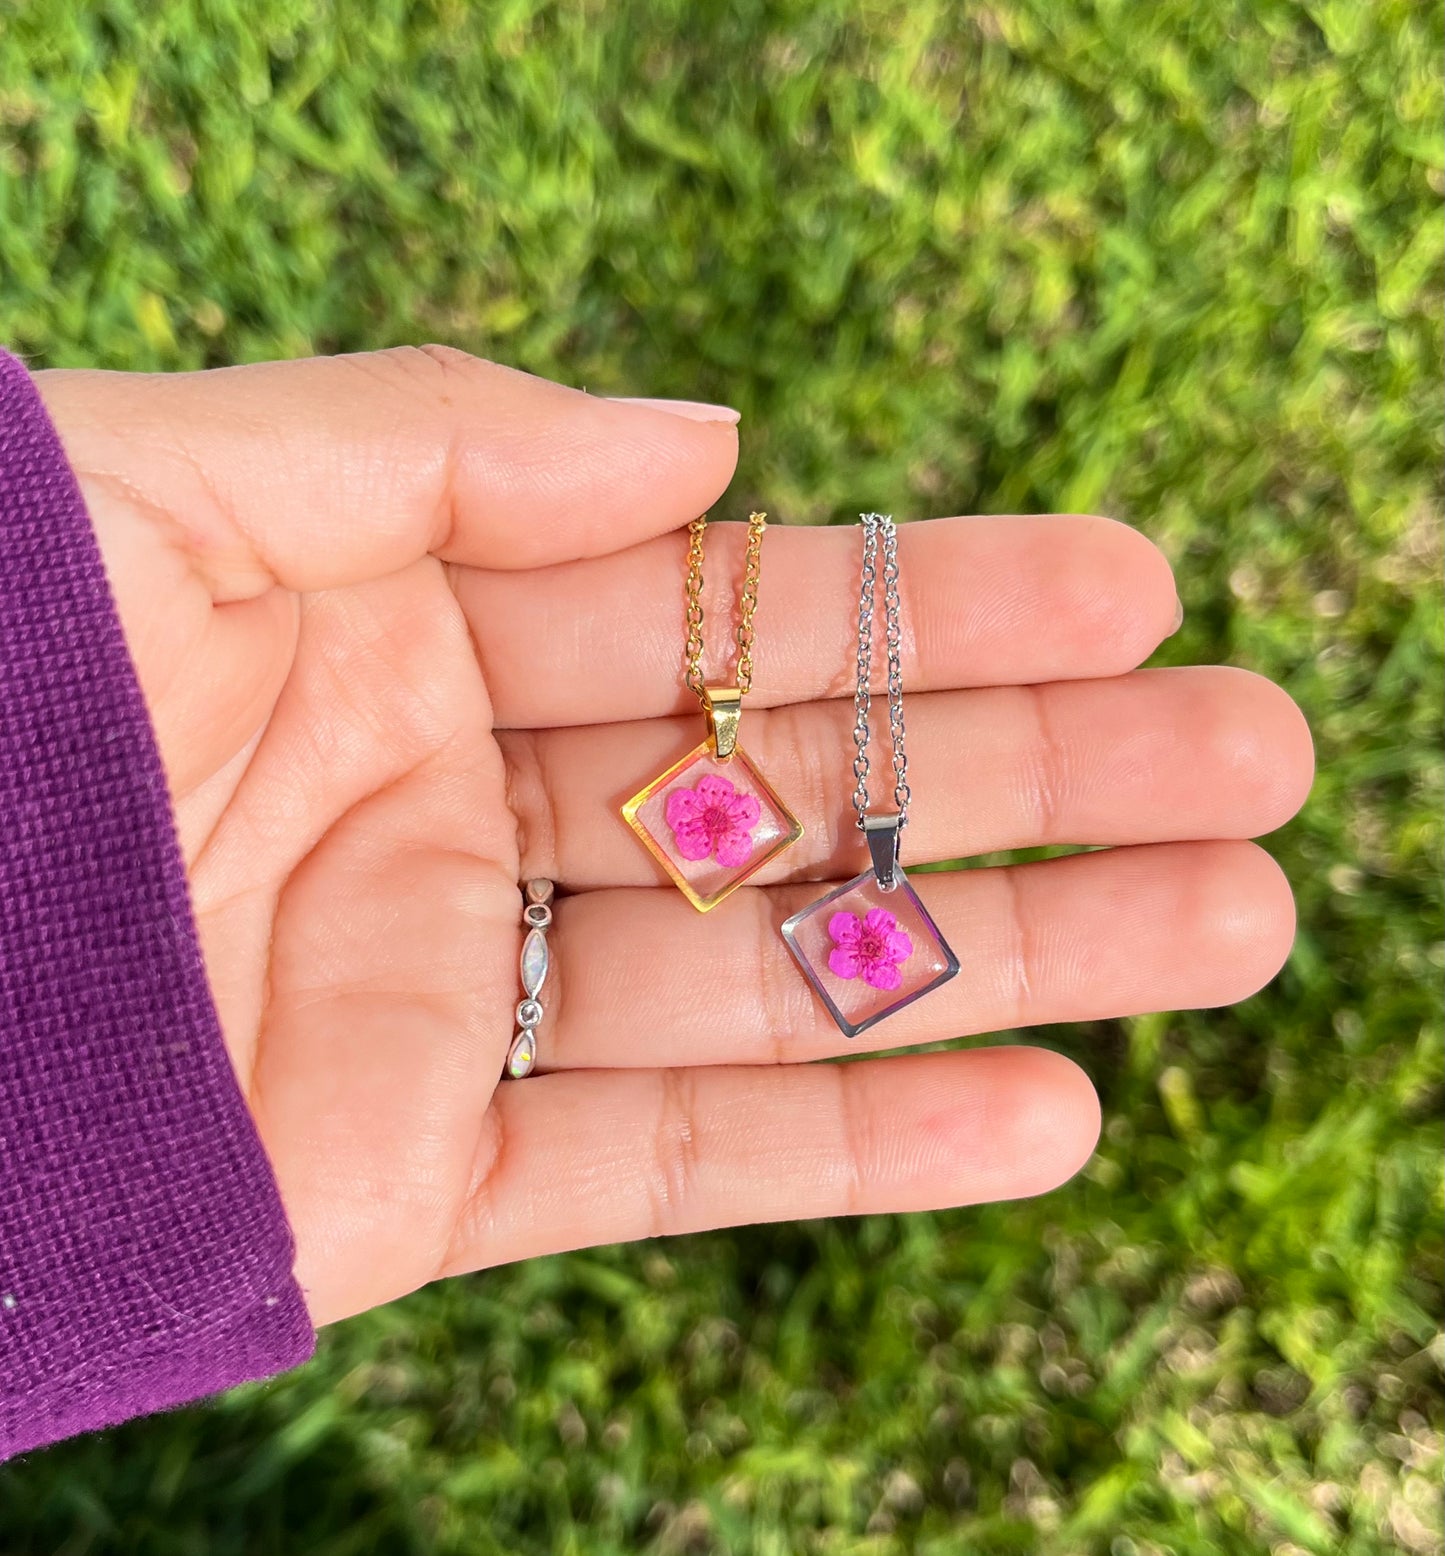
<point x="410" y="626"/>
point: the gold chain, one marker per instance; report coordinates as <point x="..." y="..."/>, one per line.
<point x="752" y="567"/>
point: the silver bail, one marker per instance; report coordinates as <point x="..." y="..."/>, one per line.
<point x="881" y="828"/>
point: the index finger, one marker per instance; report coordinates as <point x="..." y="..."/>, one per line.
<point x="329" y="471"/>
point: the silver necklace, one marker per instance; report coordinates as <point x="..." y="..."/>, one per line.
<point x="870" y="947"/>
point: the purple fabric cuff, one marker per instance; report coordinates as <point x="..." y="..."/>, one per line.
<point x="145" y="1259"/>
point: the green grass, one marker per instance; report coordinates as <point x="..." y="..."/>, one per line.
<point x="1174" y="261"/>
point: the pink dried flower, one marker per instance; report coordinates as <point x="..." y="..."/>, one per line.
<point x="713" y="821"/>
<point x="872" y="948"/>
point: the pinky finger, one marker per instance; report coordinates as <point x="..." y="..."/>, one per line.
<point x="578" y="1158"/>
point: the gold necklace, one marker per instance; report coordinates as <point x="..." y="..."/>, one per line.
<point x="712" y="819"/>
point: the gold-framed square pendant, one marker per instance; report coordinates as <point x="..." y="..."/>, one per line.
<point x="711" y="824"/>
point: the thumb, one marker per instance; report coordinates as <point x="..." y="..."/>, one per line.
<point x="332" y="470"/>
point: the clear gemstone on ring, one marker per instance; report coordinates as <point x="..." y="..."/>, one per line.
<point x="539" y="915"/>
<point x="523" y="1055"/>
<point x="535" y="961"/>
<point x="529" y="1013"/>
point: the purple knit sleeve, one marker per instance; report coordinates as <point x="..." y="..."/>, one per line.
<point x="145" y="1260"/>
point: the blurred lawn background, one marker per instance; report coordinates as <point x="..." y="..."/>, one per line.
<point x="1176" y="262"/>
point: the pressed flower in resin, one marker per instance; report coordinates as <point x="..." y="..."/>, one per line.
<point x="868" y="952"/>
<point x="713" y="821"/>
<point x="711" y="824"/>
<point x="870" y="947"/>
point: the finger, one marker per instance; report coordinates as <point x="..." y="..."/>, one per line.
<point x="644" y="980"/>
<point x="1153" y="756"/>
<point x="319" y="473"/>
<point x="573" y="1160"/>
<point x="990" y="601"/>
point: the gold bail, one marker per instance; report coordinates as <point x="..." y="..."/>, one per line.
<point x="724" y="705"/>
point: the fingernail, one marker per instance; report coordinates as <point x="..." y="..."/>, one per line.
<point x="1178" y="617"/>
<point x="689" y="410"/>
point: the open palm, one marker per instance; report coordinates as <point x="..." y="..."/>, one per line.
<point x="409" y="627"/>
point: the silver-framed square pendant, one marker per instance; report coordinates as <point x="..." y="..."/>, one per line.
<point x="868" y="952"/>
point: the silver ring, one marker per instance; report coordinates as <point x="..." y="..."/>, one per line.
<point x="536" y="958"/>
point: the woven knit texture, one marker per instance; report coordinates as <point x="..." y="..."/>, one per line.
<point x="145" y="1260"/>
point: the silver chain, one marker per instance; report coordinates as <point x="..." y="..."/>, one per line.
<point x="876" y="526"/>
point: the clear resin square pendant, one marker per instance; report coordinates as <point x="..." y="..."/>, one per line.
<point x="711" y="824"/>
<point x="869" y="952"/>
